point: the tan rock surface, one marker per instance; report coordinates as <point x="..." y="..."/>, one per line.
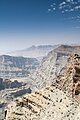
<point x="59" y="101"/>
<point x="47" y="104"/>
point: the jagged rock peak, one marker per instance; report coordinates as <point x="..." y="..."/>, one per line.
<point x="70" y="80"/>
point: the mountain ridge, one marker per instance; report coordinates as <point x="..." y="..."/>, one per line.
<point x="58" y="96"/>
<point x="34" y="51"/>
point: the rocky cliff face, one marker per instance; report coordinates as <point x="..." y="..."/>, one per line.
<point x="70" y="80"/>
<point x="58" y="101"/>
<point x="16" y="66"/>
<point x="53" y="65"/>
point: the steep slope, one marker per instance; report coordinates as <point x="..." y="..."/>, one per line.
<point x="59" y="101"/>
<point x="70" y="80"/>
<point x="53" y="65"/>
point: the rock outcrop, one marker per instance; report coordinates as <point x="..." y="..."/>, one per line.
<point x="47" y="104"/>
<point x="59" y="101"/>
<point x="53" y="65"/>
<point x="70" y="81"/>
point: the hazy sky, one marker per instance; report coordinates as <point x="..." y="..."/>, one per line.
<point x="35" y="22"/>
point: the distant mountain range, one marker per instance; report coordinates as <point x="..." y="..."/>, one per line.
<point x="34" y="51"/>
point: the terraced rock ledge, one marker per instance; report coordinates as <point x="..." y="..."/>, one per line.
<point x="59" y="101"/>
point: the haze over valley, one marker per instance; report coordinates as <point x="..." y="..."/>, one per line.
<point x="39" y="59"/>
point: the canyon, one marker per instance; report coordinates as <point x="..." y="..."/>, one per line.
<point x="55" y="89"/>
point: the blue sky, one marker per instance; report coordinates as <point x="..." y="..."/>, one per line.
<point x="35" y="22"/>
